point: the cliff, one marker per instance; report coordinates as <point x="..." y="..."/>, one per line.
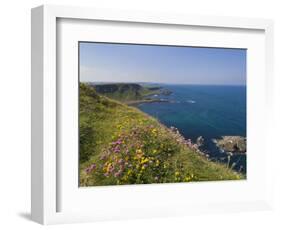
<point x="129" y="92"/>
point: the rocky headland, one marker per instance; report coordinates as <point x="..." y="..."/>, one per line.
<point x="232" y="144"/>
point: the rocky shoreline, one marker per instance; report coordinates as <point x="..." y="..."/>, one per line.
<point x="137" y="102"/>
<point x="232" y="144"/>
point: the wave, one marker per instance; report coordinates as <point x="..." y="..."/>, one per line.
<point x="191" y="101"/>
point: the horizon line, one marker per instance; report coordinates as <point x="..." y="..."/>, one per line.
<point x="167" y="83"/>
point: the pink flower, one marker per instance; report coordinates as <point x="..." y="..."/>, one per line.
<point x="117" y="174"/>
<point x="88" y="170"/>
<point x="106" y="174"/>
<point x="111" y="169"/>
<point x="116" y="149"/>
<point x="93" y="166"/>
<point x="118" y="142"/>
<point x="120" y="161"/>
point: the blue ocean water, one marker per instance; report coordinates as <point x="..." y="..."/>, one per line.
<point x="208" y="111"/>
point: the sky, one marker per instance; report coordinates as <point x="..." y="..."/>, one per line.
<point x="109" y="62"/>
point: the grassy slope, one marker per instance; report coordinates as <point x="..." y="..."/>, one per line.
<point x="122" y="145"/>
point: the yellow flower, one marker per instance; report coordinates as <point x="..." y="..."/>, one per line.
<point x="108" y="167"/>
<point x="138" y="151"/>
<point x="144" y="160"/>
<point x="189" y="178"/>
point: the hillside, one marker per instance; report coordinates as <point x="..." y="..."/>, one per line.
<point x="122" y="145"/>
<point x="128" y="92"/>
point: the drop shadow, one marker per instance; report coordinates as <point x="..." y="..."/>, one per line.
<point x="25" y="215"/>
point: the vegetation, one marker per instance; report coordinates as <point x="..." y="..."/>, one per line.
<point x="120" y="144"/>
<point x="128" y="92"/>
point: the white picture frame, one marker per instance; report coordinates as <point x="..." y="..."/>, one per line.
<point x="47" y="175"/>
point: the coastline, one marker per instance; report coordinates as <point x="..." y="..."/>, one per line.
<point x="137" y="102"/>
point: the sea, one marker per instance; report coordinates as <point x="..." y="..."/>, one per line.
<point x="204" y="110"/>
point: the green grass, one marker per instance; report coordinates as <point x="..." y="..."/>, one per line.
<point x="120" y="144"/>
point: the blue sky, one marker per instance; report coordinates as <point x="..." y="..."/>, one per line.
<point x="105" y="62"/>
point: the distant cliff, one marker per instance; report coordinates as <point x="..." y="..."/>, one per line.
<point x="129" y="92"/>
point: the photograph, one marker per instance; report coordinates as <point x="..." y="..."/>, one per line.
<point x="151" y="114"/>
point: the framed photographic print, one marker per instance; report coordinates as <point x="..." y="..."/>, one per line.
<point x="139" y="125"/>
<point x="139" y="114"/>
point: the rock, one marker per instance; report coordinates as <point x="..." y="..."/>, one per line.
<point x="174" y="130"/>
<point x="166" y="92"/>
<point x="232" y="144"/>
<point x="200" y="141"/>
